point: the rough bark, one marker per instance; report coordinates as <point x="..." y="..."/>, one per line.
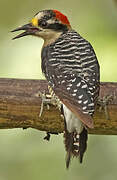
<point x="20" y="107"/>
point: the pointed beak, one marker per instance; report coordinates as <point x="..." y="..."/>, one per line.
<point x="29" y="29"/>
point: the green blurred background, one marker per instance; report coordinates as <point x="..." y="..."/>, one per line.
<point x="24" y="154"/>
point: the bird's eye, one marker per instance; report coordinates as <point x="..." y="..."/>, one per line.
<point x="42" y="23"/>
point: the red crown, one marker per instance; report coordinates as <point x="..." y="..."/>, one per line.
<point x="61" y="17"/>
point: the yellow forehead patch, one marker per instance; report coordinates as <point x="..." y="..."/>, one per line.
<point x="34" y="22"/>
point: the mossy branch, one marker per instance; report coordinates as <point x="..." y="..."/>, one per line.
<point x="20" y="107"/>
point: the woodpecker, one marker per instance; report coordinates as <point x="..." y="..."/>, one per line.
<point x="71" y="68"/>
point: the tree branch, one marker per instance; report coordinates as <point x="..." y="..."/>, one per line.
<point x="20" y="107"/>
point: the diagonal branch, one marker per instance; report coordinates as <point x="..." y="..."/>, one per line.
<point x="20" y="107"/>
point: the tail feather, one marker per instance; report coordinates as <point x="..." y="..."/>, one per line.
<point x="82" y="143"/>
<point x="75" y="145"/>
<point x="68" y="146"/>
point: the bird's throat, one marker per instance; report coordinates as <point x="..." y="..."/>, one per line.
<point x="51" y="38"/>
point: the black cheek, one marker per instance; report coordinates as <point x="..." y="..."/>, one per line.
<point x="57" y="27"/>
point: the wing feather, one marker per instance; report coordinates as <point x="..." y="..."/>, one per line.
<point x="74" y="106"/>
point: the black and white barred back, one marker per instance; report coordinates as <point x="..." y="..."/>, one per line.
<point x="72" y="70"/>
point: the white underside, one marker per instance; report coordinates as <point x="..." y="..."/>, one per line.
<point x="72" y="122"/>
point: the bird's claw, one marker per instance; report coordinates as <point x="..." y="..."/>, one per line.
<point x="47" y="100"/>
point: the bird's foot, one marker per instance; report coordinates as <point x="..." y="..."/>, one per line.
<point x="103" y="104"/>
<point x="47" y="100"/>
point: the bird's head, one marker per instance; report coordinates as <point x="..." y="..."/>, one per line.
<point x="48" y="24"/>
